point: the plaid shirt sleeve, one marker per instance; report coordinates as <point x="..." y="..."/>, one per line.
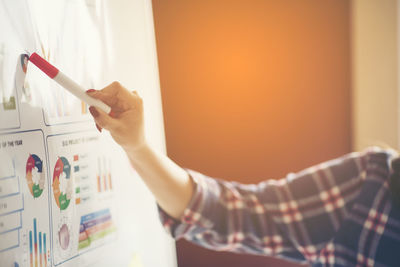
<point x="294" y="217"/>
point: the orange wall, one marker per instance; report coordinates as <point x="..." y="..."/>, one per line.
<point x="252" y="90"/>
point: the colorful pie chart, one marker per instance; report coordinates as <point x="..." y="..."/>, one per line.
<point x="35" y="181"/>
<point x="62" y="175"/>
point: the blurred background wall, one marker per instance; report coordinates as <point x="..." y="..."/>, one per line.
<point x="375" y="78"/>
<point x="256" y="89"/>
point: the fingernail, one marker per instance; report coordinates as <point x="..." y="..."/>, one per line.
<point x="94" y="112"/>
<point x="90" y="91"/>
<point x="98" y="128"/>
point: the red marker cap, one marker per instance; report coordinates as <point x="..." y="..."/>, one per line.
<point x="45" y="66"/>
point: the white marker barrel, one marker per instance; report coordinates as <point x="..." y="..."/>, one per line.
<point x="79" y="92"/>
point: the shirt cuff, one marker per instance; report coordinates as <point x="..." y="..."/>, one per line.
<point x="192" y="215"/>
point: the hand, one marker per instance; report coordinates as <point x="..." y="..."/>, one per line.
<point x="125" y="121"/>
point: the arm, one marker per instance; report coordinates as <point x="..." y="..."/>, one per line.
<point x="169" y="183"/>
<point x="294" y="217"/>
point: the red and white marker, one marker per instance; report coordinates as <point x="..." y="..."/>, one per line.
<point x="66" y="82"/>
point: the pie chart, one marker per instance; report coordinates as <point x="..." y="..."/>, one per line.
<point x="63" y="237"/>
<point x="62" y="183"/>
<point x="34" y="175"/>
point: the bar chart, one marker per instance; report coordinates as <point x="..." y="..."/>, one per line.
<point x="94" y="227"/>
<point x="88" y="186"/>
<point x="37" y="247"/>
<point x="104" y="178"/>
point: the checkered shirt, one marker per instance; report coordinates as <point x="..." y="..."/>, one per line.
<point x="338" y="213"/>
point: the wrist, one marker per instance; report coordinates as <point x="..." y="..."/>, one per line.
<point x="137" y="150"/>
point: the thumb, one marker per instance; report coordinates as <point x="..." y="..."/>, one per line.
<point x="103" y="119"/>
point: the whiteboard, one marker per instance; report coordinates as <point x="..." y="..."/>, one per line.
<point x="68" y="194"/>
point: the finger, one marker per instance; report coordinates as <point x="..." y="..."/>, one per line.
<point x="117" y="105"/>
<point x="114" y="96"/>
<point x="98" y="128"/>
<point x="113" y="88"/>
<point x="102" y="119"/>
<point x="108" y="99"/>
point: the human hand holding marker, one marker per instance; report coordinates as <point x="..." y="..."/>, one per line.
<point x="126" y="122"/>
<point x="120" y="111"/>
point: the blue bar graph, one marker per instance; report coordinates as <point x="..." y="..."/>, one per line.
<point x="31" y="247"/>
<point x="40" y="248"/>
<point x="35" y="239"/>
<point x="44" y="250"/>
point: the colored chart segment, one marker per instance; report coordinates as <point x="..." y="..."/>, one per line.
<point x="35" y="184"/>
<point x="62" y="175"/>
<point x="95" y="226"/>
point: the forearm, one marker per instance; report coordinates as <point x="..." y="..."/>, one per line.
<point x="169" y="183"/>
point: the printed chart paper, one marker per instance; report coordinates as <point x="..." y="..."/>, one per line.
<point x="68" y="194"/>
